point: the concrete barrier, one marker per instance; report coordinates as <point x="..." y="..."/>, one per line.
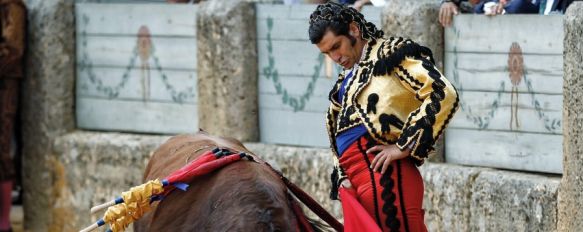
<point x="570" y="192"/>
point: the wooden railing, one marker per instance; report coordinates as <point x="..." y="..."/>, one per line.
<point x="509" y="72"/>
<point x="136" y="67"/>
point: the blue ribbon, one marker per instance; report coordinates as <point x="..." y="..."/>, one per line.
<point x="156" y="198"/>
<point x="181" y="186"/>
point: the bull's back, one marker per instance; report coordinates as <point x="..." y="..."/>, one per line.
<point x="242" y="196"/>
<point x="180" y="150"/>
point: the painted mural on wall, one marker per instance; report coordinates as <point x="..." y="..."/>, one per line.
<point x="518" y="75"/>
<point x="145" y="50"/>
<point x="294" y="77"/>
<point x="271" y="73"/>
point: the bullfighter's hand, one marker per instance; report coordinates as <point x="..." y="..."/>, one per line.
<point x="386" y="154"/>
<point x="346" y="184"/>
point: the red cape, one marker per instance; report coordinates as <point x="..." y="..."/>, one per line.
<point x="356" y="219"/>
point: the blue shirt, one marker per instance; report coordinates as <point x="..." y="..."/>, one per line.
<point x="346" y="138"/>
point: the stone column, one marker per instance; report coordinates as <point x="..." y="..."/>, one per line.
<point x="47" y="108"/>
<point x="418" y="21"/>
<point x="227" y="69"/>
<point x="571" y="188"/>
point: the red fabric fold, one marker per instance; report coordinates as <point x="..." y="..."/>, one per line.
<point x="356" y="218"/>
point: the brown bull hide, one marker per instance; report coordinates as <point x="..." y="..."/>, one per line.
<point x="243" y="196"/>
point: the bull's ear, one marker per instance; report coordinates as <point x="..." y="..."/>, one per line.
<point x="201" y="130"/>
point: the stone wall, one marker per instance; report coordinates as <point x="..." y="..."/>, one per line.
<point x="47" y="107"/>
<point x="94" y="167"/>
<point x="456" y="198"/>
<point x="227" y="69"/>
<point x="570" y="192"/>
<point x="459" y="198"/>
<point x="416" y="20"/>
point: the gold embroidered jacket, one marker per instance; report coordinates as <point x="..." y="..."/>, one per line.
<point x="398" y="94"/>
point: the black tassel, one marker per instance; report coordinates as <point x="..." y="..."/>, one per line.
<point x="334" y="179"/>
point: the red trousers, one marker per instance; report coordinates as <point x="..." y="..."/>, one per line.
<point x="397" y="203"/>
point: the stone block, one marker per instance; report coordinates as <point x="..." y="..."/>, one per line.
<point x="227" y="69"/>
<point x="447" y="196"/>
<point x="417" y="20"/>
<point x="459" y="198"/>
<point x="571" y="189"/>
<point x="513" y="201"/>
<point x="93" y="168"/>
<point x="48" y="98"/>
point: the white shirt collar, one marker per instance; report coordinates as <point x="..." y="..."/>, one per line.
<point x="362" y="55"/>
